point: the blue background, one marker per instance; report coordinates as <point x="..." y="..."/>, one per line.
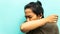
<point x="12" y="14"/>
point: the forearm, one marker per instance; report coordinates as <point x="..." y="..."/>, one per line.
<point x="27" y="26"/>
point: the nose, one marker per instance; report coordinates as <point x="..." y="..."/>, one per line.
<point x="27" y="19"/>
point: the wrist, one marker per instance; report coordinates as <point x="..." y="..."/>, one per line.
<point x="46" y="20"/>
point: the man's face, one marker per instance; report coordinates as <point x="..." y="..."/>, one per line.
<point x="30" y="15"/>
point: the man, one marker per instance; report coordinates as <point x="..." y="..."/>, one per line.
<point x="35" y="21"/>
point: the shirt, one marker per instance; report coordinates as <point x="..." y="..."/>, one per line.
<point x="49" y="28"/>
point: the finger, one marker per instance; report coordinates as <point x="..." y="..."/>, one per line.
<point x="55" y="17"/>
<point x="54" y="21"/>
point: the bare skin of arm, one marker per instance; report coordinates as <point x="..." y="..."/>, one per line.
<point x="27" y="26"/>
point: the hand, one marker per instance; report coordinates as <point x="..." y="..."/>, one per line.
<point x="52" y="19"/>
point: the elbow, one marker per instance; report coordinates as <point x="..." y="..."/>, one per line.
<point x="23" y="29"/>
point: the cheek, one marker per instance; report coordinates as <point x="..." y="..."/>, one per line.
<point x="34" y="18"/>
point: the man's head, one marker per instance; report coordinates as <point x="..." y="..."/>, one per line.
<point x="34" y="11"/>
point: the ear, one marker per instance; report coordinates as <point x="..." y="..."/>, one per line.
<point x="40" y="16"/>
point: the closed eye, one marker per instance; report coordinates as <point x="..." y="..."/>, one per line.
<point x="28" y="16"/>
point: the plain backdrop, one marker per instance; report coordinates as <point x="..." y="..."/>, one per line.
<point x="12" y="14"/>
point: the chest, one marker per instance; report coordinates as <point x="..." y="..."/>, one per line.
<point x="46" y="29"/>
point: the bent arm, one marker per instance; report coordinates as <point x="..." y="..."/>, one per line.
<point x="27" y="26"/>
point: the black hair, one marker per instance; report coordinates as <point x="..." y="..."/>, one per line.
<point x="36" y="8"/>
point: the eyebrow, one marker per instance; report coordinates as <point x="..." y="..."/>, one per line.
<point x="28" y="16"/>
